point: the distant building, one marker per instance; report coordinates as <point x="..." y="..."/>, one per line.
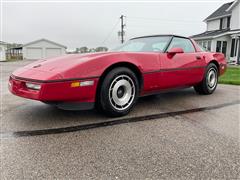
<point x="223" y="32"/>
<point x="42" y="48"/>
<point x="14" y="51"/>
<point x="3" y="48"/>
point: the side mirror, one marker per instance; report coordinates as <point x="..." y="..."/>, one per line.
<point x="174" y="51"/>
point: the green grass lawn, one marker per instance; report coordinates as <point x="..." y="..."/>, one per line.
<point x="231" y="76"/>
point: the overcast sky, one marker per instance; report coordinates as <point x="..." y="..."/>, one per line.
<point x="90" y="24"/>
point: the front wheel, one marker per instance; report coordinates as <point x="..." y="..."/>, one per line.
<point x="210" y="81"/>
<point x="119" y="92"/>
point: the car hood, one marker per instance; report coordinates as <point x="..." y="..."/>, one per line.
<point x="59" y="64"/>
<point x="58" y="67"/>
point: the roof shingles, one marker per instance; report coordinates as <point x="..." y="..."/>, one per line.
<point x="220" y="11"/>
<point x="210" y="34"/>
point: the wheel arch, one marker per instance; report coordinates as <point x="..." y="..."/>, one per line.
<point x="216" y="63"/>
<point x="129" y="65"/>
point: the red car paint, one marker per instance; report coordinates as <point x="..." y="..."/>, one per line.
<point x="159" y="71"/>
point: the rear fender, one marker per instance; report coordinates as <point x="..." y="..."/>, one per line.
<point x="219" y="60"/>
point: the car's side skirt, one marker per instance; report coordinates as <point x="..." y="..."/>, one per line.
<point x="163" y="91"/>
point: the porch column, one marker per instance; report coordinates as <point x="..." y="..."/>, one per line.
<point x="238" y="51"/>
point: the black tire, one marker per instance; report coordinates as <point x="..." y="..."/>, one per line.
<point x="206" y="87"/>
<point x="113" y="90"/>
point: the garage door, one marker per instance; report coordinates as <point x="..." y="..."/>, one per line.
<point x="52" y="52"/>
<point x="34" y="53"/>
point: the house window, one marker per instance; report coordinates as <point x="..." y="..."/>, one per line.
<point x="225" y="23"/>
<point x="222" y="47"/>
<point x="221" y="22"/>
<point x="228" y="22"/>
<point x="233" y="48"/>
<point x="209" y="43"/>
<point x="219" y="46"/>
<point x="206" y="45"/>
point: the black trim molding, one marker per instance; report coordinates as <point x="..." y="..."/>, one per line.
<point x="174" y="69"/>
<point x="56" y="80"/>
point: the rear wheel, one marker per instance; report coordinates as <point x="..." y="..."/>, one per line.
<point x="119" y="92"/>
<point x="210" y="81"/>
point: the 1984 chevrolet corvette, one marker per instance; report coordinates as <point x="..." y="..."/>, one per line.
<point x="113" y="81"/>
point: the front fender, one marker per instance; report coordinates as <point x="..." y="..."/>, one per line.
<point x="95" y="67"/>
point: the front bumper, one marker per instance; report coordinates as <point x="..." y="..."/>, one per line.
<point x="60" y="91"/>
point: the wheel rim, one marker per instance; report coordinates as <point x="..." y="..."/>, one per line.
<point x="212" y="78"/>
<point x="122" y="92"/>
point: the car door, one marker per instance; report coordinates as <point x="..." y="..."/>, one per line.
<point x="181" y="69"/>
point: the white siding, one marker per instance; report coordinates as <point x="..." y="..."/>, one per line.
<point x="213" y="25"/>
<point x="235" y="19"/>
<point x="42" y="49"/>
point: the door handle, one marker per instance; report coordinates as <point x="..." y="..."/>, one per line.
<point x="198" y="57"/>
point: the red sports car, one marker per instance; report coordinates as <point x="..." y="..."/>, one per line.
<point x="113" y="81"/>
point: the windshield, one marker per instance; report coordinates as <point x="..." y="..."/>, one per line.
<point x="147" y="44"/>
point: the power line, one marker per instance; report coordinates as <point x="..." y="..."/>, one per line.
<point x="122" y="32"/>
<point x="110" y="33"/>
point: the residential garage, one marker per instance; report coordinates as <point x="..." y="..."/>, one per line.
<point x="34" y="53"/>
<point x="42" y="48"/>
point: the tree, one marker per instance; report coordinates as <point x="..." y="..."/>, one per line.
<point x="82" y="49"/>
<point x="99" y="49"/>
<point x="92" y="50"/>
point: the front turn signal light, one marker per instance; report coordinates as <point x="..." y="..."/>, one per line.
<point x="75" y="84"/>
<point x="83" y="83"/>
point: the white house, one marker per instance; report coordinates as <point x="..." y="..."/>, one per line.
<point x="42" y="48"/>
<point x="3" y="48"/>
<point x="223" y="32"/>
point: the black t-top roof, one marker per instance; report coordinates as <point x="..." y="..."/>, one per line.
<point x="159" y="36"/>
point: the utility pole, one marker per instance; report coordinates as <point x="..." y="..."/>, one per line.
<point x="122" y="32"/>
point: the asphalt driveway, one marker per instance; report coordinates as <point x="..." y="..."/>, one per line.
<point x="176" y="135"/>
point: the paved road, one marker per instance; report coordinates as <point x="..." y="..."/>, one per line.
<point x="175" y="135"/>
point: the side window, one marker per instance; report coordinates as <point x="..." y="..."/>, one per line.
<point x="158" y="46"/>
<point x="183" y="43"/>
